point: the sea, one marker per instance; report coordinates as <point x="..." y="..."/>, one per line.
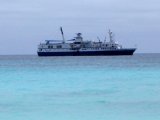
<point x="80" y="87"/>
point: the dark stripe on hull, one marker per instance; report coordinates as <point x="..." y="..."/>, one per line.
<point x="89" y="53"/>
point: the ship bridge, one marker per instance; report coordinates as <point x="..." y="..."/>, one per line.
<point x="78" y="38"/>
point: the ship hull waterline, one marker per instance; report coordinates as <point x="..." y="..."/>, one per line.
<point x="90" y="53"/>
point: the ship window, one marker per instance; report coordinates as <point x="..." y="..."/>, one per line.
<point x="50" y="47"/>
<point x="77" y="42"/>
<point x="59" y="46"/>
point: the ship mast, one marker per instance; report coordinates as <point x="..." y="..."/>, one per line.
<point x="111" y="36"/>
<point x="62" y="35"/>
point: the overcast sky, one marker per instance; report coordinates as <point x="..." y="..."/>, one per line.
<point x="26" y="23"/>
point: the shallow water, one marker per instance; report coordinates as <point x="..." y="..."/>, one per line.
<point x="80" y="88"/>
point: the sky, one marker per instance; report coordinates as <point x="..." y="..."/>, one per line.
<point x="26" y="23"/>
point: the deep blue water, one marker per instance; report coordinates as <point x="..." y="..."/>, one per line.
<point x="80" y="88"/>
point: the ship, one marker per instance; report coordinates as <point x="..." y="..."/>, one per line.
<point x="79" y="47"/>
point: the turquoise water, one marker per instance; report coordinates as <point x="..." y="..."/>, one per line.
<point x="80" y="88"/>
